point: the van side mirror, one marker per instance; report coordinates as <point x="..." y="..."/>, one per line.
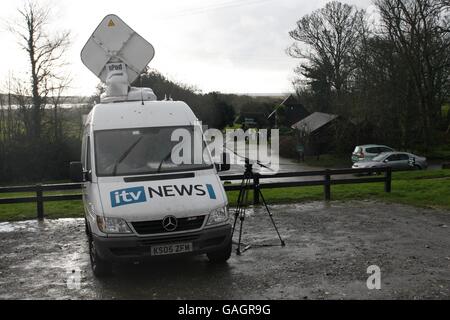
<point x="76" y="172"/>
<point x="225" y="166"/>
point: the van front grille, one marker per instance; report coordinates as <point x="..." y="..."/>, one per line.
<point x="156" y="226"/>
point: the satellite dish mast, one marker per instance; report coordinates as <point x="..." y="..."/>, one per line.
<point x="117" y="55"/>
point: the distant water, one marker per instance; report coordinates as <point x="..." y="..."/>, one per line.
<point x="50" y="106"/>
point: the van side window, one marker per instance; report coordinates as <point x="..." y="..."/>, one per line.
<point x="83" y="152"/>
<point x="88" y="154"/>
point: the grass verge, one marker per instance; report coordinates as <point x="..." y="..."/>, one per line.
<point x="418" y="188"/>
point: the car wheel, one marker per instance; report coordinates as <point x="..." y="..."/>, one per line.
<point x="100" y="267"/>
<point x="222" y="255"/>
<point x="417" y="167"/>
<point x="377" y="172"/>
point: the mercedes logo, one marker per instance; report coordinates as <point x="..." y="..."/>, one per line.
<point x="170" y="223"/>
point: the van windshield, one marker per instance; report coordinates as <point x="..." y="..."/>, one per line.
<point x="139" y="151"/>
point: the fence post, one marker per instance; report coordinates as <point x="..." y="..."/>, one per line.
<point x="39" y="202"/>
<point x="388" y="181"/>
<point x="256" y="188"/>
<point x="327" y="185"/>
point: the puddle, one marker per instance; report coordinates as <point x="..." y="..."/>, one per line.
<point x="35" y="225"/>
<point x="328" y="248"/>
<point x="30" y="225"/>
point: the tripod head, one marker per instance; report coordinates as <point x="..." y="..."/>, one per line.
<point x="248" y="165"/>
<point x="248" y="168"/>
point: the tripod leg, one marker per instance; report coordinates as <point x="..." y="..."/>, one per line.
<point x="271" y="218"/>
<point x="238" y="250"/>
<point x="244" y="200"/>
<point x="238" y="208"/>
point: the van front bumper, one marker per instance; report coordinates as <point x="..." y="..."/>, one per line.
<point x="122" y="249"/>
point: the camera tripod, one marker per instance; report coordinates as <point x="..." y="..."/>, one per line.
<point x="242" y="203"/>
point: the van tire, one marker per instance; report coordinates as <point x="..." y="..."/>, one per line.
<point x="222" y="255"/>
<point x="100" y="268"/>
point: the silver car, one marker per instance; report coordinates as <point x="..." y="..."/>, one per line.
<point x="395" y="160"/>
<point x="368" y="152"/>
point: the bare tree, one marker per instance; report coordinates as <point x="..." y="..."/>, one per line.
<point x="10" y="123"/>
<point x="57" y="99"/>
<point x="419" y="30"/>
<point x="331" y="35"/>
<point x="22" y="113"/>
<point x="45" y="51"/>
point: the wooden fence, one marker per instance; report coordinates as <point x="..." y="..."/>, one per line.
<point x="327" y="181"/>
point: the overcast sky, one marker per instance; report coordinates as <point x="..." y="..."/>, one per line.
<point x="232" y="46"/>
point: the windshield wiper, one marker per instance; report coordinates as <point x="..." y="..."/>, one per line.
<point x="167" y="157"/>
<point x="125" y="154"/>
<point x="163" y="160"/>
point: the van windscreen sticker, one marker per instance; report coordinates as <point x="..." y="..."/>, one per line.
<point x="199" y="190"/>
<point x="211" y="192"/>
<point x="127" y="196"/>
<point x="137" y="195"/>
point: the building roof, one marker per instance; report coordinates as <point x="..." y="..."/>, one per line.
<point x="293" y="110"/>
<point x="314" y="121"/>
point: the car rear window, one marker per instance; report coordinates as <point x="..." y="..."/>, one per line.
<point x="372" y="150"/>
<point x="384" y="149"/>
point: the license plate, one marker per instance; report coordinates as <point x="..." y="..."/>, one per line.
<point x="167" y="249"/>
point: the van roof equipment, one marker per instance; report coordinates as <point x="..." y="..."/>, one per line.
<point x="117" y="55"/>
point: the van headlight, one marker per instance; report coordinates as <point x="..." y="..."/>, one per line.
<point x="112" y="225"/>
<point x="218" y="216"/>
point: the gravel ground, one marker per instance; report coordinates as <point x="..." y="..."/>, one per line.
<point x="328" y="249"/>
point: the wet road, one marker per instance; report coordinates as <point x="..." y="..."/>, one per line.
<point x="251" y="151"/>
<point x="329" y="247"/>
<point x="285" y="165"/>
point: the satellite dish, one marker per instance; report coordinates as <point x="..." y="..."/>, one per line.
<point x="115" y="42"/>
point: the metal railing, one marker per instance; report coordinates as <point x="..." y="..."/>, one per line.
<point x="326" y="182"/>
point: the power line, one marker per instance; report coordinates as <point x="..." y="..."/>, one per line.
<point x="205" y="9"/>
<point x="208" y="7"/>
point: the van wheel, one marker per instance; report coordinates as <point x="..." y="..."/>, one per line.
<point x="220" y="256"/>
<point x="100" y="267"/>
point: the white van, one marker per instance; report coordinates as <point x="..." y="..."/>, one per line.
<point x="138" y="203"/>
